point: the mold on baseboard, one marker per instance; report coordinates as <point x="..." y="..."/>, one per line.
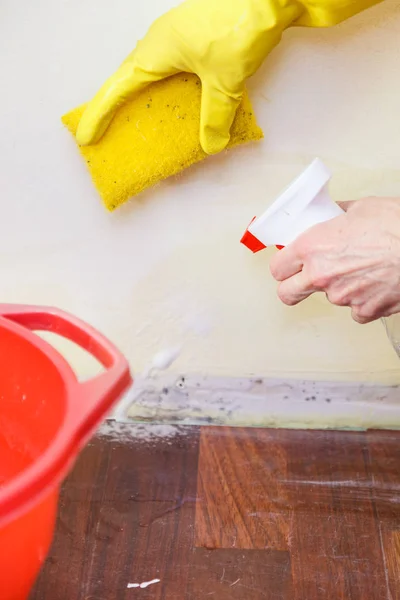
<point x="258" y="402"/>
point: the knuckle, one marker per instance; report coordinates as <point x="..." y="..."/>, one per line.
<point x="368" y="313"/>
<point x="287" y="298"/>
<point x="305" y="247"/>
<point x="318" y="279"/>
<point x="356" y="316"/>
<point x="338" y="297"/>
<point x="365" y="313"/>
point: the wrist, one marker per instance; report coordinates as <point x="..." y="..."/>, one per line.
<point x="327" y="13"/>
<point x="276" y="15"/>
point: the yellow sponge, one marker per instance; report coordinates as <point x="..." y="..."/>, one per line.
<point x="152" y="137"/>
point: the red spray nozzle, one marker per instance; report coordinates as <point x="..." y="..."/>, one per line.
<point x="251" y="242"/>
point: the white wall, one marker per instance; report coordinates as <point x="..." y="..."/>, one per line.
<point x="332" y="93"/>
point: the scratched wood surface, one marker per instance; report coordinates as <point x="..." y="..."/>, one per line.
<point x="229" y="513"/>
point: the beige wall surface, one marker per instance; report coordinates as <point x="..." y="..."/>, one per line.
<point x="168" y="268"/>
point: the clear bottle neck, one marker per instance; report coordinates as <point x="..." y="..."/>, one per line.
<point x="392" y="326"/>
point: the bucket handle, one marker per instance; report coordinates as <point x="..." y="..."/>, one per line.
<point x="93" y="397"/>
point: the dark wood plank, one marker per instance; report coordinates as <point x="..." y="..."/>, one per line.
<point x="384" y="467"/>
<point x="227" y="574"/>
<point x="136" y="526"/>
<point x="242" y="501"/>
<point x="79" y="508"/>
<point x="384" y="448"/>
<point x="335" y="541"/>
<point x="391" y="548"/>
<point x="242" y="517"/>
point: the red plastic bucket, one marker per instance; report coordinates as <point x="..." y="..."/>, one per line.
<point x="46" y="417"/>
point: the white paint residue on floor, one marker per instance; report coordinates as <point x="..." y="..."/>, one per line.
<point x="143" y="585"/>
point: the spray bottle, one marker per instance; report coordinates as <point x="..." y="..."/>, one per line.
<point x="305" y="203"/>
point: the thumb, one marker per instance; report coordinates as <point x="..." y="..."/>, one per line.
<point x="127" y="81"/>
<point x="218" y="111"/>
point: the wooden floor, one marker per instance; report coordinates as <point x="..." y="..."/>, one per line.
<point x="244" y="514"/>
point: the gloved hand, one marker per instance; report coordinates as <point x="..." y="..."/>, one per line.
<point x="223" y="42"/>
<point x="354" y="259"/>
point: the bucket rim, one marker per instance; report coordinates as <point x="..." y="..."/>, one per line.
<point x="79" y="422"/>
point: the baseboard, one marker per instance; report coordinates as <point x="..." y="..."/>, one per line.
<point x="256" y="402"/>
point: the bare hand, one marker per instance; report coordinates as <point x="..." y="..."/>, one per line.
<point x="354" y="259"/>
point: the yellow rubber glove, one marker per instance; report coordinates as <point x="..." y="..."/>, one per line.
<point x="224" y="42"/>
